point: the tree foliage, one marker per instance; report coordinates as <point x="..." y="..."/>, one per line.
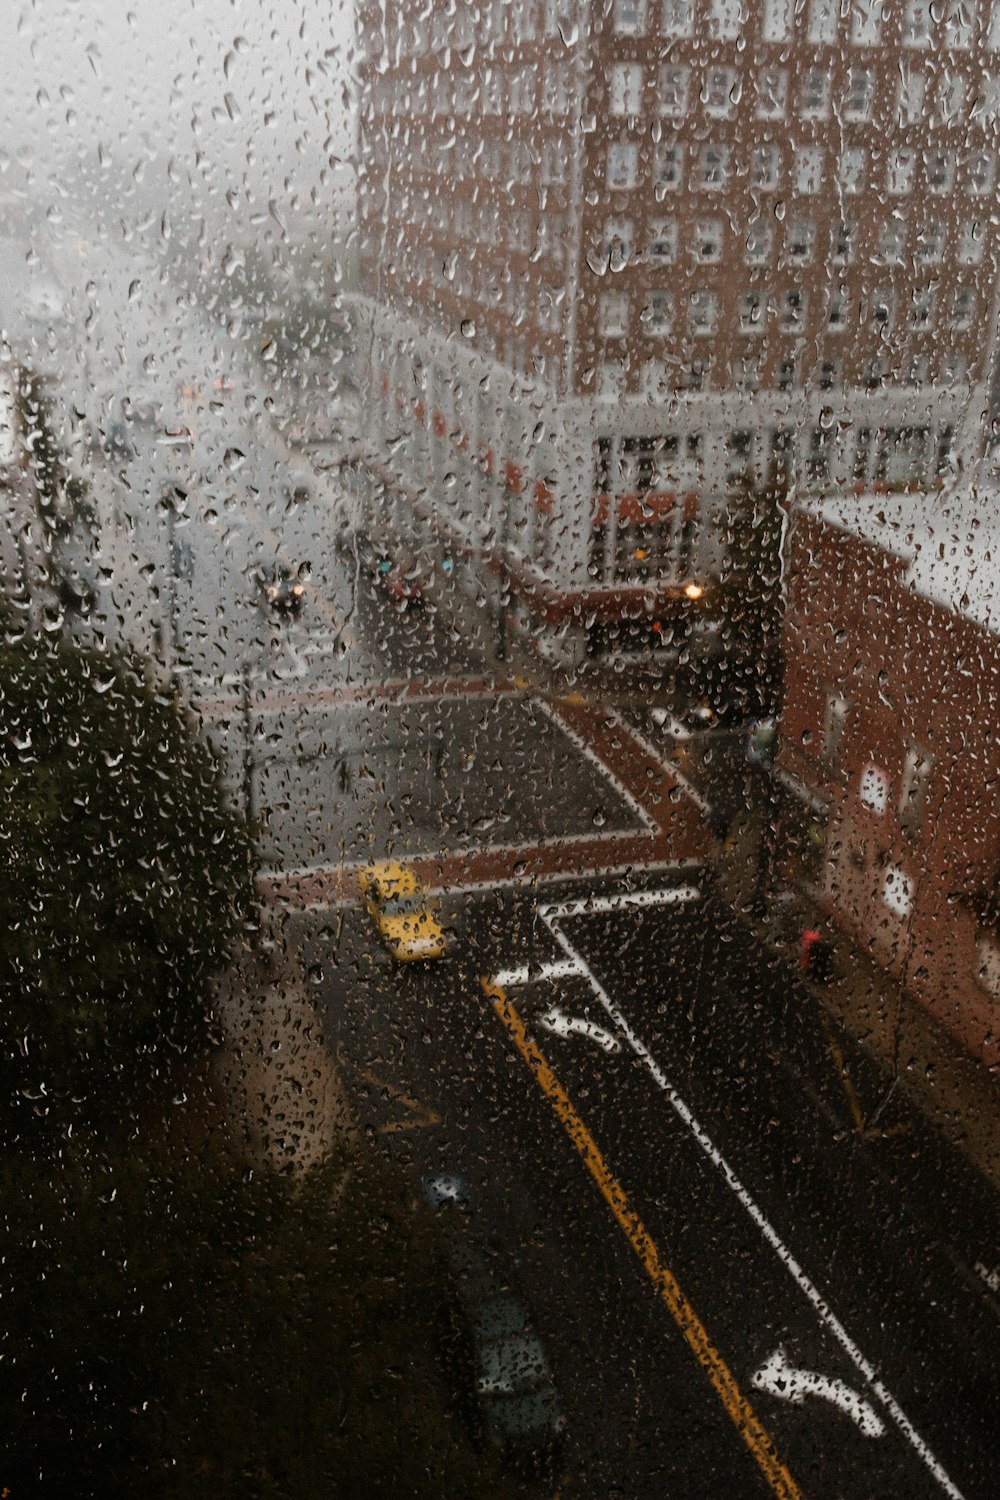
<point x="123" y="874"/>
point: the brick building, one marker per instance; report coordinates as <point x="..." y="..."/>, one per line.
<point x="890" y="745"/>
<point x="615" y="253"/>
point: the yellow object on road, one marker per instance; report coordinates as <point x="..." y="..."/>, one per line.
<point x="402" y="912"/>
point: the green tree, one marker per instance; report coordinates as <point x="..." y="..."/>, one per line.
<point x="124" y="876"/>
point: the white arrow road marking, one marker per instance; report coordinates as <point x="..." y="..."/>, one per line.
<point x="561" y="1024"/>
<point x="564" y="968"/>
<point x="672" y="895"/>
<point x="778" y="1378"/>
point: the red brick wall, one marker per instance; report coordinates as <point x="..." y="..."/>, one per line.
<point x="914" y="673"/>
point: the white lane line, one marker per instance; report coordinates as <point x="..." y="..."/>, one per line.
<point x="538" y="973"/>
<point x="815" y="1298"/>
<point x="588" y="754"/>
<point x="592" y="905"/>
<point x="560" y="1024"/>
<point x="666" y="761"/>
<point x="791" y="1383"/>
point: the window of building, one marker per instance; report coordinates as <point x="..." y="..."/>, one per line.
<point x="663" y="240"/>
<point x="786" y="373"/>
<point x="658" y="314"/>
<point x="779" y="18"/>
<point x="891" y="241"/>
<point x="623" y="164"/>
<point x="815" y="100"/>
<point x="916" y="370"/>
<point x="801" y="235"/>
<point x="717" y="90"/>
<point x="772" y="93"/>
<point x="678" y="17"/>
<point x="713" y="167"/>
<point x="988" y="963"/>
<point x="669" y="164"/>
<point x="708" y="240"/>
<point x="837" y="316"/>
<point x="751" y="312"/>
<point x="993" y="33"/>
<point x="897" y="891"/>
<point x="724" y="19"/>
<point x="614" y="314"/>
<point x="873" y="789"/>
<point x="764" y="164"/>
<point x="626" y="89"/>
<point x="917" y="766"/>
<point x="674" y="81"/>
<point x="858" y="99"/>
<point x="851" y="171"/>
<point x="902" y="165"/>
<point x="808" y="169"/>
<point x="704" y="313"/>
<point x="922" y="307"/>
<point x="823" y="15"/>
<point x="982" y="170"/>
<point x="958" y="25"/>
<point x="962" y="308"/>
<point x="793" y="308"/>
<point x="829" y="374"/>
<point x="940" y="171"/>
<point x="971" y="242"/>
<point x="917" y="23"/>
<point x="617" y="245"/>
<point x="629" y="17"/>
<point x="930" y="241"/>
<point x="758" y="242"/>
<point x="883" y="306"/>
<point x="866" y="22"/>
<point x="911" y="89"/>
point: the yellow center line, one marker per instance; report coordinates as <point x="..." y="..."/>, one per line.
<point x="737" y="1407"/>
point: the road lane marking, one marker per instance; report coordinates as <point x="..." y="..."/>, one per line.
<point x="560" y="1024"/>
<point x="815" y="1298"/>
<point x="789" y="1382"/>
<point x="667" y="762"/>
<point x="645" y="818"/>
<point x="586" y="906"/>
<point x="566" y="968"/>
<point x="736" y="1405"/>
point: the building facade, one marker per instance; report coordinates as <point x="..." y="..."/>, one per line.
<point x="615" y="254"/>
<point x="889" y="746"/>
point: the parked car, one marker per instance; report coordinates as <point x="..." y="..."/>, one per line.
<point x="497" y="1353"/>
<point x="402" y="911"/>
<point x="283" y="590"/>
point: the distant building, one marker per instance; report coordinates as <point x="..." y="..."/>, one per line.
<point x="890" y="741"/>
<point x="614" y="254"/>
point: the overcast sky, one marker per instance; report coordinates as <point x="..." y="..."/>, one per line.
<point x="237" y="93"/>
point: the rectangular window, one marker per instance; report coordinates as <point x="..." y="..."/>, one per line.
<point x="971" y="242"/>
<point x="778" y="20"/>
<point x="902" y="165"/>
<point x="663" y="240"/>
<point x="623" y="164"/>
<point x="951" y="99"/>
<point x="800" y="240"/>
<point x="858" y="99"/>
<point x="708" y="240"/>
<point x="758" y="242"/>
<point x="724" y="20"/>
<point x="837" y="318"/>
<point x="834" y="723"/>
<point x="629" y="17"/>
<point x="829" y="374"/>
<point x="940" y="171"/>
<point x="823" y="21"/>
<point x="617" y="243"/>
<point x="658" y="313"/>
<point x="808" y="169"/>
<point x="614" y="314"/>
<point x="669" y="166"/>
<point x="704" y="313"/>
<point x="930" y="242"/>
<point x="713" y="167"/>
<point x="883" y="306"/>
<point x="793" y="310"/>
<point x="959" y="25"/>
<point x="716" y="94"/>
<point x="751" y="312"/>
<point x="917" y="23"/>
<point x="994" y="28"/>
<point x="916" y="370"/>
<point x="851" y="171"/>
<point x="626" y="89"/>
<point x="772" y="93"/>
<point x="678" y="17"/>
<point x="911" y="91"/>
<point x="786" y="374"/>
<point x="963" y="307"/>
<point x="815" y="100"/>
<point x="922" y="307"/>
<point x="764" y="167"/>
<point x="866" y="20"/>
<point x="674" y="90"/>
<point x="891" y="242"/>
<point x="982" y="170"/>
